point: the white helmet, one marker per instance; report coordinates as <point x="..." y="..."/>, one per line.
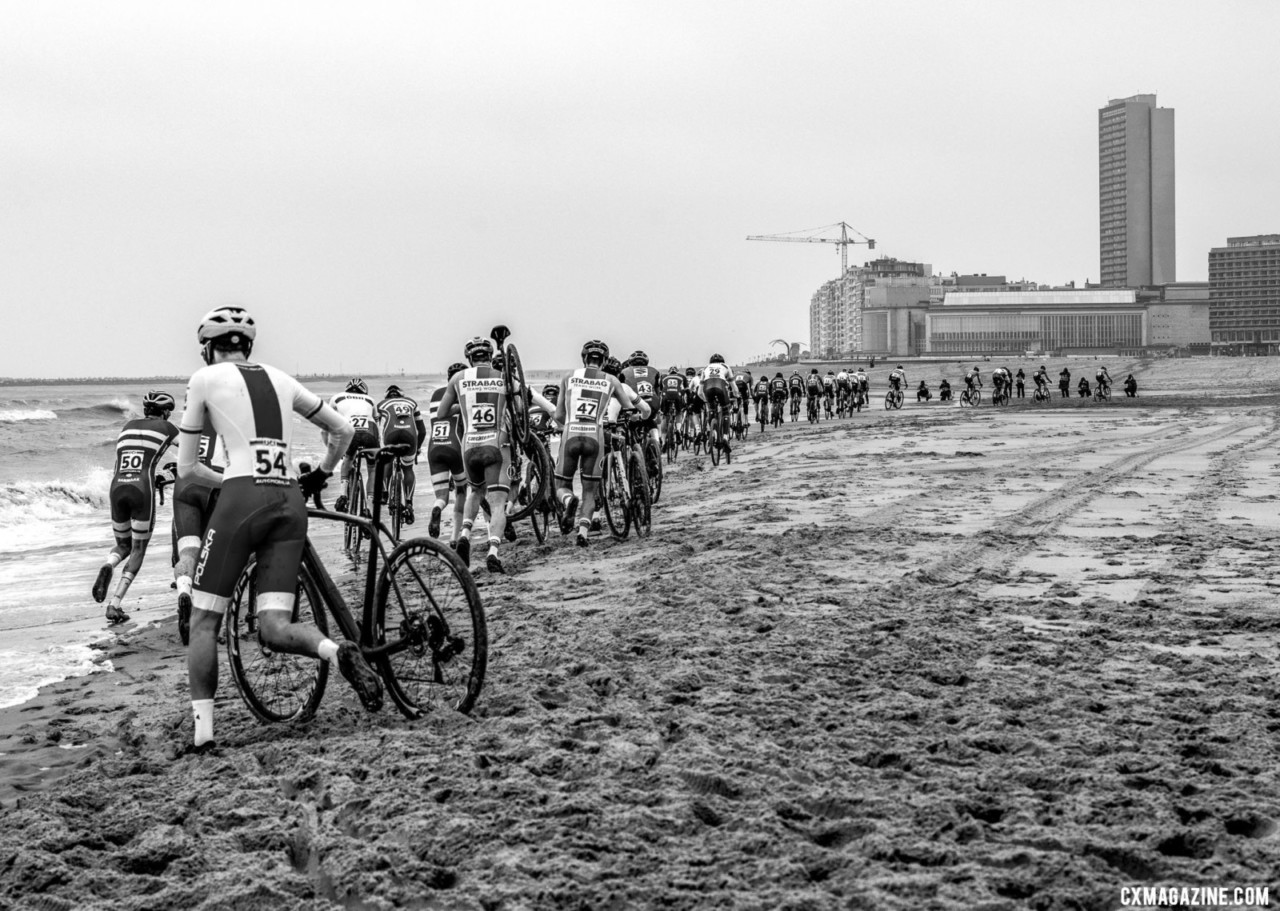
<point x="226" y="320"/>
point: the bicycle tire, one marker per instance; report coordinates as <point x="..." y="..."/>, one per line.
<point x="641" y="504"/>
<point x="713" y="437"/>
<point x="394" y="506"/>
<point x="513" y="376"/>
<point x="276" y="686"/>
<point x="540" y="519"/>
<point x="354" y="535"/>
<point x="429" y="629"/>
<point x="615" y="498"/>
<point x="654" y="468"/>
<point x="531" y="496"/>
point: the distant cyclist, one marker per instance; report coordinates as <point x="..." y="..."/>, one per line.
<point x="742" y="385"/>
<point x="139" y="448"/>
<point x="717" y="387"/>
<point x="897" y="379"/>
<point x="643" y="381"/>
<point x="861" y="385"/>
<point x="1041" y="379"/>
<point x="1103" y="378"/>
<point x="361" y="413"/>
<point x="795" y="385"/>
<point x="973" y="380"/>
<point x="261" y="510"/>
<point x="401" y="424"/>
<point x="760" y="394"/>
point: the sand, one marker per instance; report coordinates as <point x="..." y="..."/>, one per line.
<point x="933" y="658"/>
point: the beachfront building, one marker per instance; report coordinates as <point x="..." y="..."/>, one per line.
<point x="1136" y="192"/>
<point x="1070" y="321"/>
<point x="871" y="310"/>
<point x="1244" y="295"/>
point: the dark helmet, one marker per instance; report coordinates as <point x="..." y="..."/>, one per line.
<point x="613" y="366"/>
<point x="639" y="359"/>
<point x="813" y="370"/>
<point x="899" y="366"/>
<point x="478" y="349"/>
<point x="717" y="359"/>
<point x="454" y="369"/>
<point x="689" y="371"/>
<point x="778" y="375"/>
<point x="355" y="384"/>
<point x="393" y="392"/>
<point x="157" y="402"/>
<point x="595" y="350"/>
<point x="551" y="391"/>
<point x="499" y="361"/>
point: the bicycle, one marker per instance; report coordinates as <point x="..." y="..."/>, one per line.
<point x="422" y="625"/>
<point x="1042" y="395"/>
<point x="795" y="408"/>
<point x="739" y="429"/>
<point x="762" y="412"/>
<point x="623" y="490"/>
<point x="1101" y="392"/>
<point x="395" y="508"/>
<point x="776" y="412"/>
<point x="526" y="500"/>
<point x="971" y="398"/>
<point x="826" y="406"/>
<point x="716" y="444"/>
<point x="859" y="400"/>
<point x="893" y="399"/>
<point x="1000" y="396"/>
<point x="813" y="409"/>
<point x="355" y="503"/>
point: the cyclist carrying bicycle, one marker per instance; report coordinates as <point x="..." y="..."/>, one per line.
<point x="584" y="399"/>
<point x="401" y="424"/>
<point x="261" y="509"/>
<point x="361" y="413"/>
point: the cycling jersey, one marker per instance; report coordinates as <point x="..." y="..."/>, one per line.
<point x="139" y="447"/>
<point x="585" y="395"/>
<point x="444" y="443"/>
<point x="715" y="384"/>
<point x="897" y="379"/>
<point x="401" y="424"/>
<point x="644" y="382"/>
<point x="481" y="393"/>
<point x="796" y="383"/>
<point x="673" y="387"/>
<point x="762" y="388"/>
<point x="828" y="383"/>
<point x="842" y="380"/>
<point x="778" y="386"/>
<point x="361" y="413"/>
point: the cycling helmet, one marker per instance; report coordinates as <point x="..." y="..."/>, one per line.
<point x="478" y="349"/>
<point x="674" y="369"/>
<point x="899" y="366"/>
<point x="778" y="375"/>
<point x="358" y="385"/>
<point x="813" y="370"/>
<point x="393" y="391"/>
<point x="157" y="402"/>
<point x="595" y="350"/>
<point x="455" y="368"/>
<point x="499" y="360"/>
<point x="613" y="366"/>
<point x="551" y="390"/>
<point x="717" y="359"/>
<point x="223" y="321"/>
<point x="639" y="359"/>
<point x="689" y="371"/>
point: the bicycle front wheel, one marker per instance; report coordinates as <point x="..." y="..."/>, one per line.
<point x="394" y="505"/>
<point x="654" y="461"/>
<point x="714" y="438"/>
<point x="276" y="686"/>
<point x="431" y="639"/>
<point x="537" y="486"/>
<point x="513" y="375"/>
<point x="641" y="504"/>
<point x="615" y="496"/>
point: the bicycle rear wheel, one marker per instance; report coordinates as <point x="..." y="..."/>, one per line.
<point x="430" y="632"/>
<point x="616" y="497"/>
<point x="394" y="505"/>
<point x="513" y="374"/>
<point x="537" y="488"/>
<point x="352" y="535"/>
<point x="713" y="436"/>
<point x="641" y="504"/>
<point x="276" y="686"/>
<point x="653" y="460"/>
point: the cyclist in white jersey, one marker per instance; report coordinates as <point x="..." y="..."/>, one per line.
<point x="260" y="511"/>
<point x="361" y="412"/>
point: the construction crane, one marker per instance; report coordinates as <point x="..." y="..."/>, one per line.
<point x="810" y="236"/>
<point x="813" y="236"/>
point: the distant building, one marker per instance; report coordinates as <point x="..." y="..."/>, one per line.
<point x="1136" y="193"/>
<point x="1070" y="321"/>
<point x="861" y="315"/>
<point x="1244" y="295"/>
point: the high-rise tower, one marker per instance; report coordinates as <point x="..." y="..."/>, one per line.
<point x="1135" y="192"/>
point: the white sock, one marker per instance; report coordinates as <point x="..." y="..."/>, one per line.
<point x="327" y="649"/>
<point x="184" y="585"/>
<point x="202" y="712"/>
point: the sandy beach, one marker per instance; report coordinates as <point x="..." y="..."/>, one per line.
<point x="934" y="658"/>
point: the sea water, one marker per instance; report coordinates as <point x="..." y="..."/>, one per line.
<point x="57" y="448"/>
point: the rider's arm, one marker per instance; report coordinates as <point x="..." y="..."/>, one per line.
<point x="540" y="401"/>
<point x="336" y="431"/>
<point x="189" y="430"/>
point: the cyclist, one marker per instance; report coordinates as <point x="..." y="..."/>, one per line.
<point x="922" y="392"/>
<point x="861" y="385"/>
<point x="795" y="384"/>
<point x="1041" y="379"/>
<point x="813" y="388"/>
<point x="585" y="395"/>
<point x="360" y="411"/>
<point x="401" y="424"/>
<point x="898" y="379"/>
<point x="973" y="380"/>
<point x="141" y="444"/>
<point x="673" y="390"/>
<point x="829" y="391"/>
<point x="1064" y="382"/>
<point x="693" y="402"/>
<point x="481" y="393"/>
<point x="944" y="391"/>
<point x="778" y="394"/>
<point x="193" y="503"/>
<point x="760" y="394"/>
<point x="1000" y="382"/>
<point x="643" y="381"/>
<point x="444" y="460"/>
<point x="742" y="385"/>
<point x="541" y="421"/>
<point x="1103" y="378"/>
<point x="1020" y="381"/>
<point x="261" y="509"/>
<point x="717" y="387"/>
<point x="842" y="388"/>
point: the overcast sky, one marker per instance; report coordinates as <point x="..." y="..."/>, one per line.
<point x="378" y="182"/>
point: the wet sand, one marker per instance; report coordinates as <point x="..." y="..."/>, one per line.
<point x="932" y="658"/>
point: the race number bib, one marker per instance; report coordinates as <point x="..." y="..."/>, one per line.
<point x="270" y="461"/>
<point x="130" y="462"/>
<point x="587" y="410"/>
<point x="360" y="421"/>
<point x="645" y="389"/>
<point x="440" y="431"/>
<point x="483" y="417"/>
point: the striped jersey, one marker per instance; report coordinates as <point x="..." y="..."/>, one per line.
<point x="251" y="407"/>
<point x="482" y="396"/>
<point x="585" y="393"/>
<point x="359" y="410"/>
<point x="138" y="449"/>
